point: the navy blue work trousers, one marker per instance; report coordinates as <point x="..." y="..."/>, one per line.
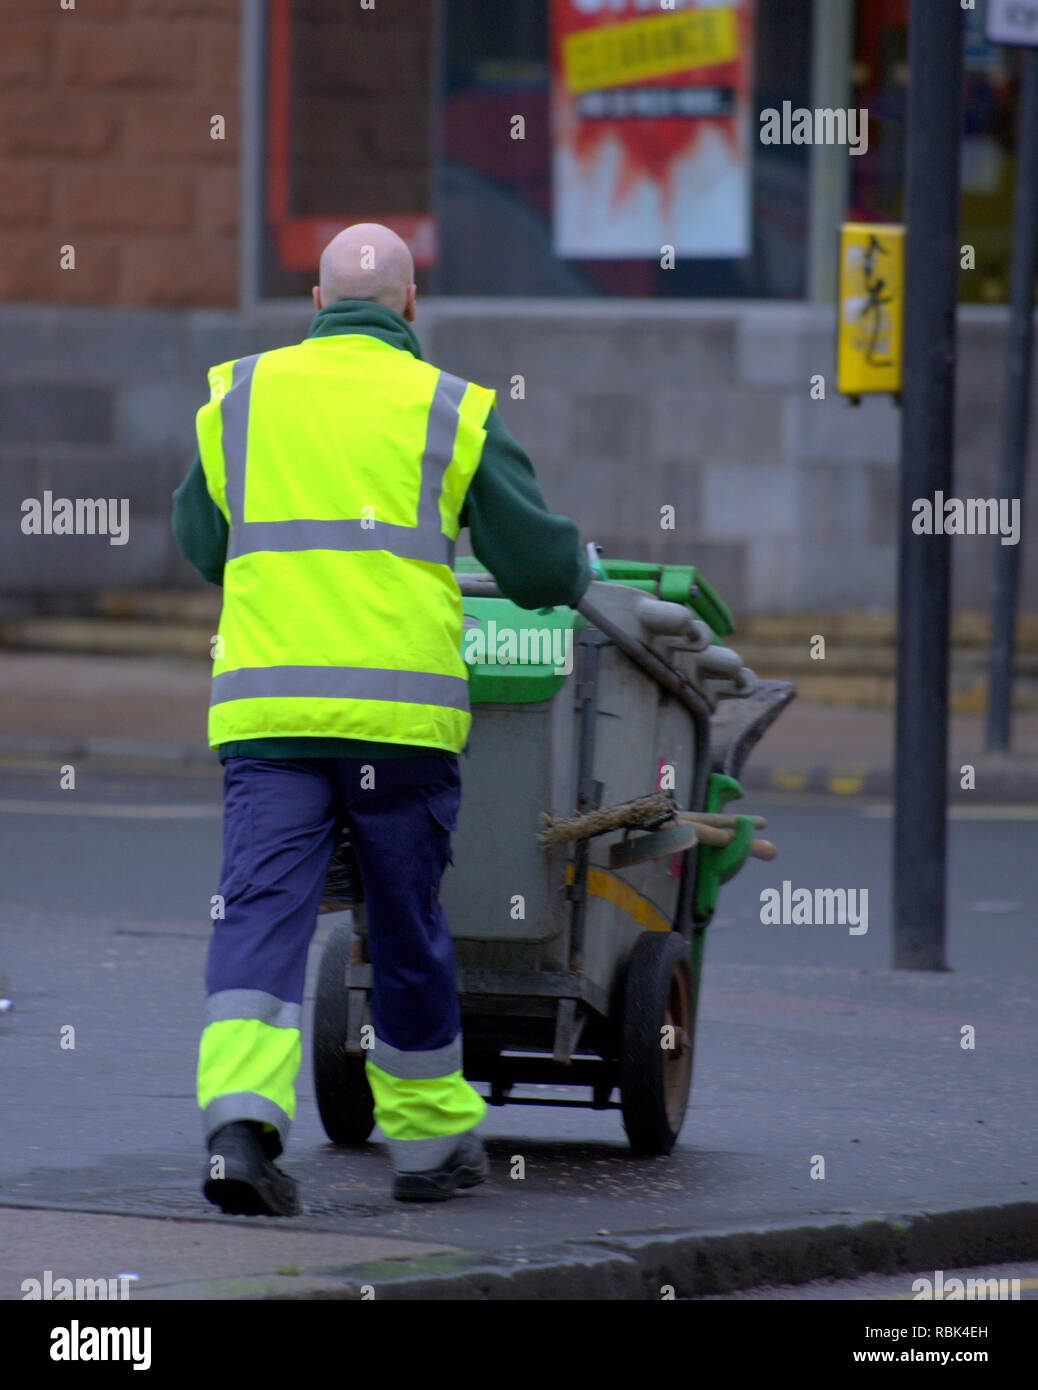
<point x="280" y="829"/>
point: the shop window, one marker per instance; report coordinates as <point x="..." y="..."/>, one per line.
<point x="630" y="142"/>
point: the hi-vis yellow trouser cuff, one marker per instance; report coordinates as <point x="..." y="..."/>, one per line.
<point x="422" y="1103"/>
<point x="248" y="1060"/>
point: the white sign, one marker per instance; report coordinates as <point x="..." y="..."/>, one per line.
<point x="1013" y="21"/>
<point x="652" y="152"/>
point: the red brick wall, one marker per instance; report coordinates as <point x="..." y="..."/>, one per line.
<point x="360" y="117"/>
<point x="360" y="137"/>
<point x="105" y="145"/>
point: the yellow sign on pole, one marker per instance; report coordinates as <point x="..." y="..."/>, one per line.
<point x="870" y="309"/>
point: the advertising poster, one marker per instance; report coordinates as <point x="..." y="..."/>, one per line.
<point x="651" y="127"/>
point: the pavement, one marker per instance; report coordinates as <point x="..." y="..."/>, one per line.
<point x="71" y="704"/>
<point x="808" y="1046"/>
<point x="847" y="751"/>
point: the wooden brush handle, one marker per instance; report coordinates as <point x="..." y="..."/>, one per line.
<point x="714" y="835"/>
<point x="722" y="821"/>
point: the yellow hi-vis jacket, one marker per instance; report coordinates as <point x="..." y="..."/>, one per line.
<point x="340" y="465"/>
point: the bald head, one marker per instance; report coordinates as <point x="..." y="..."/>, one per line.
<point x="367" y="261"/>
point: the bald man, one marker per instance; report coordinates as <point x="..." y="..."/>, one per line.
<point x="369" y="262"/>
<point x="331" y="480"/>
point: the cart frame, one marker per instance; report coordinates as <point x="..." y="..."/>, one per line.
<point x="544" y="1016"/>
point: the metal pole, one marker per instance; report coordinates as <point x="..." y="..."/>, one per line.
<point x="252" y="68"/>
<point x="437" y="99"/>
<point x="1016" y="404"/>
<point x="934" y="127"/>
<point x="832" y="44"/>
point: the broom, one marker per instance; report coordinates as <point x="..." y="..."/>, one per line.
<point x="650" y="813"/>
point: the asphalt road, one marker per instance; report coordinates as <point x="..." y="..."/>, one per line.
<point x="807" y="1044"/>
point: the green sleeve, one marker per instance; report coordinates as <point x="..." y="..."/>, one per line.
<point x="198" y="526"/>
<point x="535" y="556"/>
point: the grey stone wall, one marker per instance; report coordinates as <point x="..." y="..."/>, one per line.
<point x="783" y="501"/>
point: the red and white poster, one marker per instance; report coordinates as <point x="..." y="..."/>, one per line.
<point x="651" y="127"/>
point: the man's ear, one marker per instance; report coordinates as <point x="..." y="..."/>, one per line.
<point x="409" y="309"/>
<point x="316" y="292"/>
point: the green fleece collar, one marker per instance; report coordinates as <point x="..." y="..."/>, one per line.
<point x="362" y="316"/>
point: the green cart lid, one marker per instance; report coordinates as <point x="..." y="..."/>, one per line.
<point x="672" y="583"/>
<point x="517" y="656"/>
<point x="675" y="584"/>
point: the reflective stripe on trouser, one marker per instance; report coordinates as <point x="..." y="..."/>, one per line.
<point x="281" y="821"/>
<point x="422" y="1103"/>
<point x="278" y="836"/>
<point x="248" y="1059"/>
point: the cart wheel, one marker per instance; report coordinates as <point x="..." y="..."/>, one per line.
<point x="344" y="1097"/>
<point x="656" y="1066"/>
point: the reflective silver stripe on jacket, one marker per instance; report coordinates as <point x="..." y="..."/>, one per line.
<point x="440" y="434"/>
<point x="234" y="431"/>
<point x="424" y="541"/>
<point x="406" y="542"/>
<point x="252" y="1004"/>
<point x="340" y="683"/>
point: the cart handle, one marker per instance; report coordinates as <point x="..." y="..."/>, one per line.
<point x="671" y="681"/>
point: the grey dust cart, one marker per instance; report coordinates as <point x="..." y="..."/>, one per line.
<point x="591" y="846"/>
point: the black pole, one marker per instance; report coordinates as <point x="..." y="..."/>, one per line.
<point x="1016" y="404"/>
<point x="934" y="127"/>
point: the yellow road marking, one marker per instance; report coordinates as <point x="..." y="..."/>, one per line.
<point x="789" y="781"/>
<point x="848" y="785"/>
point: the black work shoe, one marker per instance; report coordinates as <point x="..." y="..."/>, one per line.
<point x="250" y="1184"/>
<point x="467" y="1166"/>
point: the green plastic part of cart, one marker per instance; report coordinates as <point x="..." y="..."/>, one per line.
<point x="672" y="583"/>
<point x="515" y="656"/>
<point x="718" y="863"/>
<point x="675" y="584"/>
